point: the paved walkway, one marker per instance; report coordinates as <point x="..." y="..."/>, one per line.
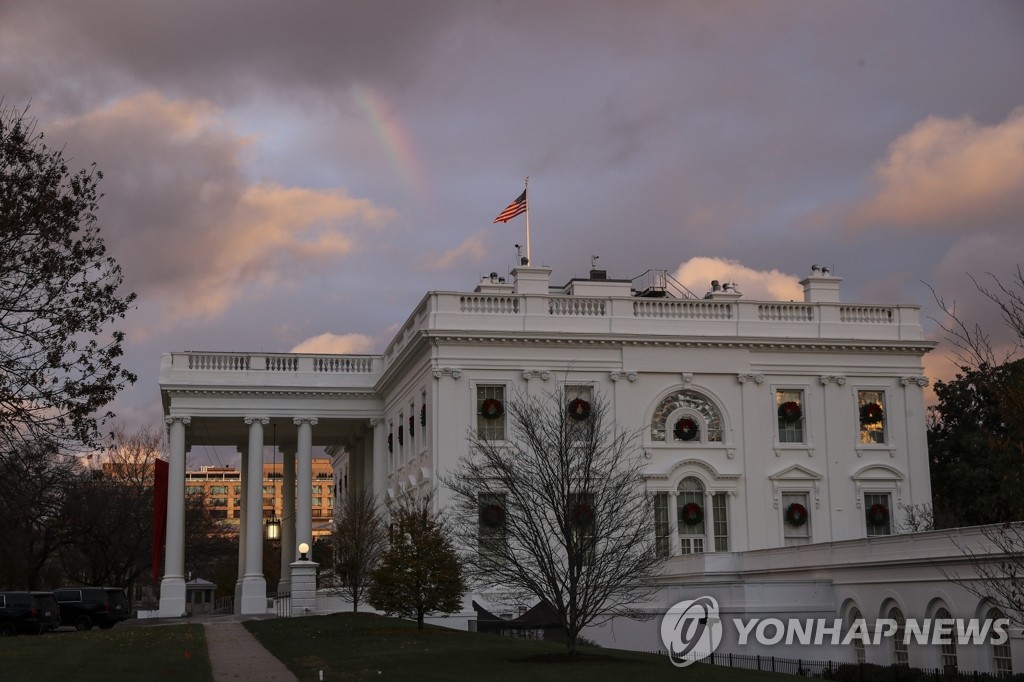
<point x="237" y="655"/>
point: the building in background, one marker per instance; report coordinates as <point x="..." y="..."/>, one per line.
<point x="221" y="490"/>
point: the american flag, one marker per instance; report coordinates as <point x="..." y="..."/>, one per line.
<point x="512" y="210"/>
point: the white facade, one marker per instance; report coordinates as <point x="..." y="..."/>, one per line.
<point x="721" y="365"/>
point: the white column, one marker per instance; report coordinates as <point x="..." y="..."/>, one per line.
<point x="380" y="471"/>
<point x="709" y="521"/>
<point x="242" y="516"/>
<point x="254" y="584"/>
<point x="673" y="524"/>
<point x="304" y="495"/>
<point x="172" y="587"/>
<point x="287" y="521"/>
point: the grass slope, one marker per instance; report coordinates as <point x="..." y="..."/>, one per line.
<point x="367" y="647"/>
<point x="123" y="654"/>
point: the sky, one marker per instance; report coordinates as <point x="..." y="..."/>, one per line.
<point x="295" y="176"/>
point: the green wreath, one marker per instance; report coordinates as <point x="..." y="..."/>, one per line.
<point x="790" y="411"/>
<point x="686" y="429"/>
<point x="692" y="514"/>
<point x="870" y="413"/>
<point x="796" y="514"/>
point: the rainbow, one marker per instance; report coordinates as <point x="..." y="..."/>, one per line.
<point x="395" y="139"/>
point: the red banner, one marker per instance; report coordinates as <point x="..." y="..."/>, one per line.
<point x="159" y="516"/>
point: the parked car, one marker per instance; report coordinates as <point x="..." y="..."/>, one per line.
<point x="27" y="612"/>
<point x="85" y="607"/>
<point x="49" y="610"/>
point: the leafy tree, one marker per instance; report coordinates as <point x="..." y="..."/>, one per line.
<point x="357" y="544"/>
<point x="976" y="446"/>
<point x="420" y="573"/>
<point x="58" y="297"/>
<point x="559" y="512"/>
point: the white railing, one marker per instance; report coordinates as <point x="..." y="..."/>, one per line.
<point x="866" y="314"/>
<point x="343" y="364"/>
<point x="571" y="305"/>
<point x="230" y="362"/>
<point x="682" y="310"/>
<point x="480" y="303"/>
<point x="785" y="312"/>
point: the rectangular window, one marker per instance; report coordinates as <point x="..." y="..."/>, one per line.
<point x="720" y="507"/>
<point x="796" y="520"/>
<point x="583" y="521"/>
<point x="491" y="534"/>
<point x="871" y="417"/>
<point x="490" y="412"/>
<point x="878" y="514"/>
<point x="789" y="406"/>
<point x="692" y="521"/>
<point x="421" y="420"/>
<point x="661" y="527"/>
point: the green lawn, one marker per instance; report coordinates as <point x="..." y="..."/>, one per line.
<point x="366" y="647"/>
<point x="123" y="654"/>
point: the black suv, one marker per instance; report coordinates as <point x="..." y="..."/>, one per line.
<point x="27" y="612"/>
<point x="84" y="607"/>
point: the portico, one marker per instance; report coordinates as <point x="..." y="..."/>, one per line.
<point x="238" y="400"/>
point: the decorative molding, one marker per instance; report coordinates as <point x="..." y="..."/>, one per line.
<point x="312" y="421"/>
<point x="615" y="376"/>
<point x="453" y="372"/>
<point x="376" y="421"/>
<point x="756" y="378"/>
<point x="543" y="374"/>
<point x="249" y="421"/>
<point x="183" y="420"/>
<point x="919" y="380"/>
<point x="730" y="453"/>
<point x="687" y="377"/>
<point x="837" y="379"/>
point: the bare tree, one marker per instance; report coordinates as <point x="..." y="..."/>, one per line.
<point x="998" y="567"/>
<point x="972" y="344"/>
<point x="34" y="484"/>
<point x="110" y="512"/>
<point x="558" y="512"/>
<point x="357" y="544"/>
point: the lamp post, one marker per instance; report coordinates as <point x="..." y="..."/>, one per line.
<point x="274" y="523"/>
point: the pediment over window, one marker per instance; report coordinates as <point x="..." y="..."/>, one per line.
<point x="878" y="472"/>
<point x="796" y="473"/>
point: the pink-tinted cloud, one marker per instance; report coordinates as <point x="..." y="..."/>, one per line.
<point x="950" y="174"/>
<point x="767" y="285"/>
<point x="190" y="229"/>
<point x="471" y="250"/>
<point x="340" y="344"/>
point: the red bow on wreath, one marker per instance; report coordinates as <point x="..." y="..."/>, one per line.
<point x="789" y="411"/>
<point x="870" y="413"/>
<point x="878" y="515"/>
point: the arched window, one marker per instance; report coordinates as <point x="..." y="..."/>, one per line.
<point x="693" y="402"/>
<point x="900" y="651"/>
<point x="948" y="650"/>
<point x="692" y="516"/>
<point x="1002" y="661"/>
<point x="853" y="617"/>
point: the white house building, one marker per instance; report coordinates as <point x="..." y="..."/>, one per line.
<point x="783" y="438"/>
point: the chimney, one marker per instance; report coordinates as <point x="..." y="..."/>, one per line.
<point x="821" y="286"/>
<point x="529" y="280"/>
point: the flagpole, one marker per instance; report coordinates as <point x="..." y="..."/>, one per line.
<point x="525" y="191"/>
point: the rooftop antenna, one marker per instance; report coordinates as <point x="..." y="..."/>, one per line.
<point x="593" y="262"/>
